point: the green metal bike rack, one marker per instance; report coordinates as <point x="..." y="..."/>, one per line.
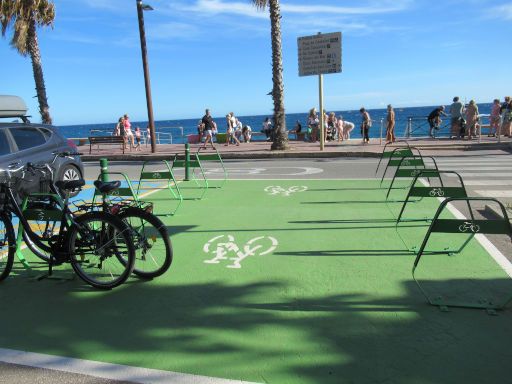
<point x="471" y="226"/>
<point x="39" y="214"/>
<point x="216" y="157"/>
<point x="397" y="153"/>
<point x="195" y="164"/>
<point x="166" y="176"/>
<point x="396" y="156"/>
<point x="410" y="161"/>
<point x="430" y="191"/>
<point x="419" y="190"/>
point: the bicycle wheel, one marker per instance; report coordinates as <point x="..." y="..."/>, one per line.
<point x="44" y="218"/>
<point x="153" y="249"/>
<point x="101" y="250"/>
<point x="7" y="246"/>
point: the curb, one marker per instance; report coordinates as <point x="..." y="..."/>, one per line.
<point x="241" y="155"/>
<point x="299" y="154"/>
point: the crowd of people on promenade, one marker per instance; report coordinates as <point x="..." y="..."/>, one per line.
<point x="465" y="121"/>
<point x="123" y="128"/>
<point x="335" y="127"/>
<point x="236" y="132"/>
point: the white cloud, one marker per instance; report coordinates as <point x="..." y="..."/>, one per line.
<point x="216" y="7"/>
<point x="501" y="12"/>
<point x="372" y="8"/>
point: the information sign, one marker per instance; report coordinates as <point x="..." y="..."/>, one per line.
<point x="319" y="54"/>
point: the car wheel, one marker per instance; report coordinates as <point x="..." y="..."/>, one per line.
<point x="70" y="172"/>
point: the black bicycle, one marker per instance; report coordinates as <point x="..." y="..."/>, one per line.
<point x="152" y="244"/>
<point x="98" y="245"/>
<point x="153" y="248"/>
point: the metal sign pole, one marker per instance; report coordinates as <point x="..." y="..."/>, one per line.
<point x="321" y="102"/>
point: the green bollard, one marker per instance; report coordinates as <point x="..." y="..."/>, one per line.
<point x="187" y="162"/>
<point x="104" y="169"/>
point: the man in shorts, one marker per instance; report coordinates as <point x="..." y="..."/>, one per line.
<point x="207" y="122"/>
<point x="457" y="122"/>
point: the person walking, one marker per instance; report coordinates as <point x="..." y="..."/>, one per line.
<point x="313" y="123"/>
<point x="339" y="128"/>
<point x="137" y="138"/>
<point x="230" y="131"/>
<point x="208" y="125"/>
<point x="471" y="119"/>
<point x="366" y="123"/>
<point x="506" y="117"/>
<point x="128" y="132"/>
<point x="119" y="131"/>
<point x="390" y="125"/>
<point x="457" y="120"/>
<point x="494" y="119"/>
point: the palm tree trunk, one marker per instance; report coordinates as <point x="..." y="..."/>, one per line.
<point x="281" y="134"/>
<point x="35" y="55"/>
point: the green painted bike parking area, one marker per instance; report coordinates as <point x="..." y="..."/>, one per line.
<point x="286" y="281"/>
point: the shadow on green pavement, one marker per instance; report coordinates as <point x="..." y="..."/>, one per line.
<point x="230" y="330"/>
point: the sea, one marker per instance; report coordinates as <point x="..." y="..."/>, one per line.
<point x="410" y="122"/>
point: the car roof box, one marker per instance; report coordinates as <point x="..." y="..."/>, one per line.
<point x="12" y="106"/>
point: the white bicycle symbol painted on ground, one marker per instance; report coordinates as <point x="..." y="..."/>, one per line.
<point x="274" y="190"/>
<point x="221" y="246"/>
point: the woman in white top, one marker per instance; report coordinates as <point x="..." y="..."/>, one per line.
<point x="230" y="131"/>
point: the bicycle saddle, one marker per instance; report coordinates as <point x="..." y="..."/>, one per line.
<point x="107" y="186"/>
<point x="67" y="185"/>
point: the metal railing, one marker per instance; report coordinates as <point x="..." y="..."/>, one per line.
<point x="418" y="127"/>
<point x="163" y="135"/>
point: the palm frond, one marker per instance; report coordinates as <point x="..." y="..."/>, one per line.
<point x="260" y="4"/>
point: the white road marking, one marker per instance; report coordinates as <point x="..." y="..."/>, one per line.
<point x="488" y="182"/>
<point x="485" y="174"/>
<point x="106" y="370"/>
<point x="494" y="193"/>
<point x="462" y="169"/>
<point x="495" y="253"/>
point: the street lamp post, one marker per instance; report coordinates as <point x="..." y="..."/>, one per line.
<point x="140" y="12"/>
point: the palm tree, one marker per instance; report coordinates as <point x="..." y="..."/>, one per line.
<point x="280" y="133"/>
<point x="24" y="16"/>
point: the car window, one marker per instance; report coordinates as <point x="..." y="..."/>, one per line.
<point x="4" y="145"/>
<point x="27" y="138"/>
<point x="46" y="133"/>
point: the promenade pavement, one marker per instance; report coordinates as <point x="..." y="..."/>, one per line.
<point x="301" y="149"/>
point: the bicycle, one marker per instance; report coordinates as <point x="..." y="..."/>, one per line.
<point x="152" y="245"/>
<point x="96" y="244"/>
<point x="153" y="248"/>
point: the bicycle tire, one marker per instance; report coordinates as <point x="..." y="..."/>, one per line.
<point x="7" y="246"/>
<point x="43" y="229"/>
<point x="102" y="237"/>
<point x="153" y="247"/>
<point x="34" y="248"/>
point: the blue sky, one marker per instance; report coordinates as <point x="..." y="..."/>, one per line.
<point x="216" y="54"/>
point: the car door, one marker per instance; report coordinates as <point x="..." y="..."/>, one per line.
<point x="31" y="145"/>
<point x="6" y="149"/>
